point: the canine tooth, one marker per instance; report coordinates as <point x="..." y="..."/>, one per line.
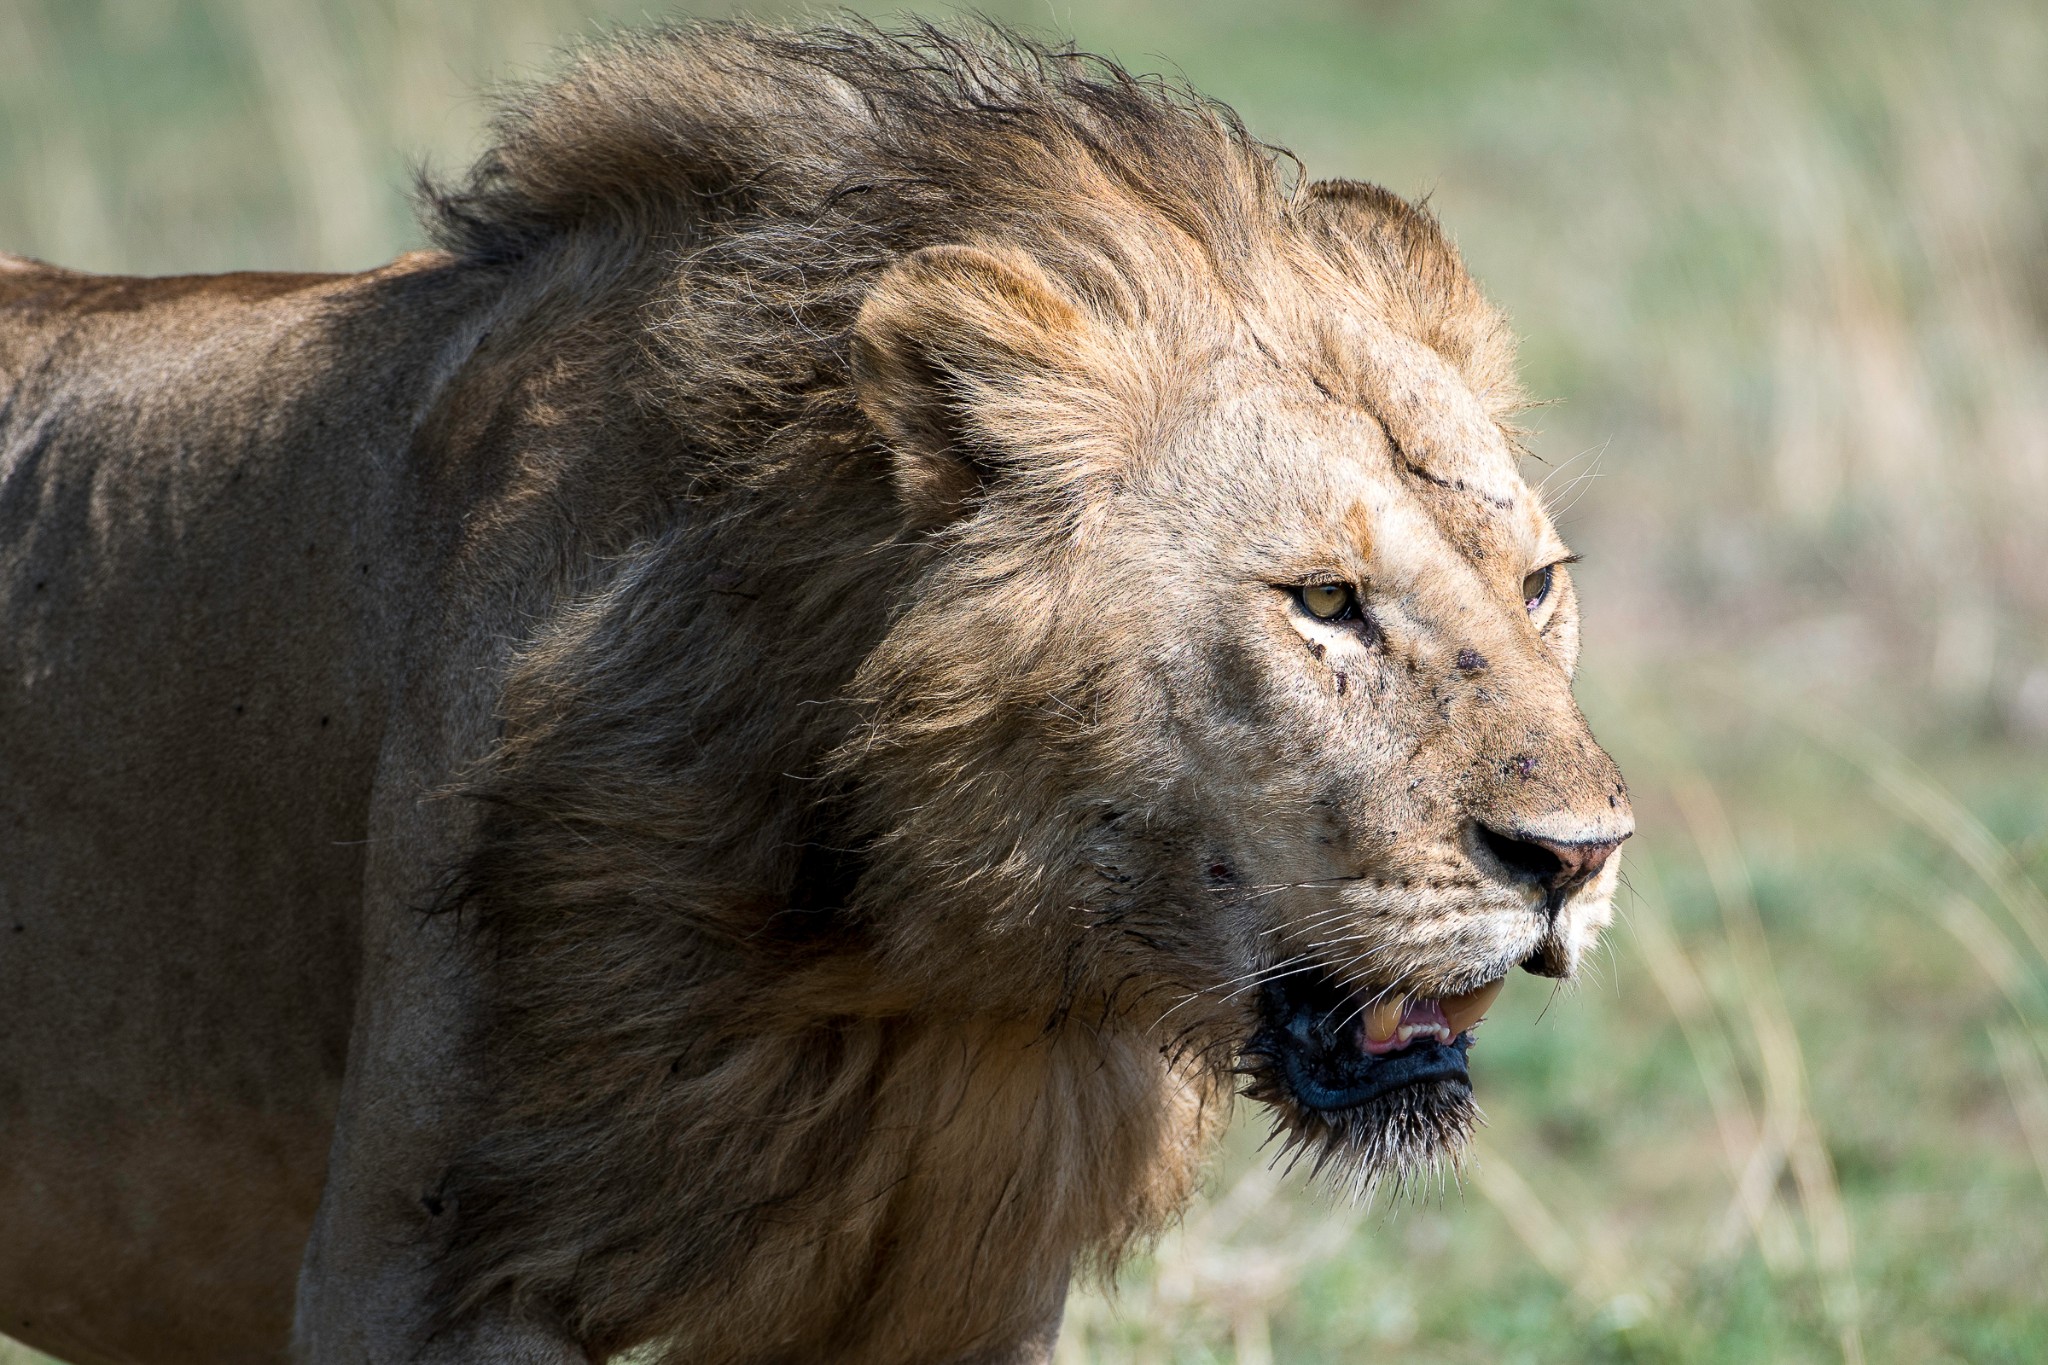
<point x="1383" y="1020"/>
<point x="1461" y="1012"/>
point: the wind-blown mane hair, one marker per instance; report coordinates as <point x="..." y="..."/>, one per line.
<point x="781" y="170"/>
<point x="787" y="944"/>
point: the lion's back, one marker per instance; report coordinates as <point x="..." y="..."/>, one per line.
<point x="208" y="517"/>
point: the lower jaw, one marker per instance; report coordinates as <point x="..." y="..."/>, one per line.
<point x="1333" y="1086"/>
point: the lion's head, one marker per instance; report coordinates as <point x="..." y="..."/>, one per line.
<point x="1045" y="591"/>
<point x="1245" y="657"/>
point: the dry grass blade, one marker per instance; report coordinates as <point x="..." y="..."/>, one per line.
<point x="1755" y="1204"/>
<point x="1251" y="1334"/>
<point x="2019" y="1047"/>
<point x="2024" y="1082"/>
<point x="327" y="153"/>
<point x="60" y="188"/>
<point x="1920" y="800"/>
<point x="1790" y="1126"/>
<point x="1993" y="952"/>
<point x="1590" y="1274"/>
<point x="1530" y="1219"/>
<point x="1233" y="1258"/>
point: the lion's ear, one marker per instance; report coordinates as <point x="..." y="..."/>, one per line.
<point x="945" y="331"/>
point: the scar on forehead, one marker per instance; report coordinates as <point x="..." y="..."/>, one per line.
<point x="1358" y="525"/>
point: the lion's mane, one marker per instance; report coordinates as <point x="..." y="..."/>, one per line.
<point x="772" y="978"/>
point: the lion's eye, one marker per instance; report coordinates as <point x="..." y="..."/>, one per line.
<point x="1327" y="601"/>
<point x="1536" y="587"/>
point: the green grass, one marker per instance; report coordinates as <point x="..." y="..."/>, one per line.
<point x="1598" y="1220"/>
<point x="1783" y="268"/>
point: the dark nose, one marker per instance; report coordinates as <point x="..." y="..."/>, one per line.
<point x="1559" y="866"/>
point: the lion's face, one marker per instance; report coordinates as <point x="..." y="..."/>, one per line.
<point x="1325" y="714"/>
<point x="1361" y="664"/>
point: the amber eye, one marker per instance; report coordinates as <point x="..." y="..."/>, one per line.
<point x="1327" y="601"/>
<point x="1536" y="587"/>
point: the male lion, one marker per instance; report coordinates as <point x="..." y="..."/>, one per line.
<point x="915" y="611"/>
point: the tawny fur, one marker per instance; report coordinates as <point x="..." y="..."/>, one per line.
<point x="884" y="823"/>
<point x="713" y="1095"/>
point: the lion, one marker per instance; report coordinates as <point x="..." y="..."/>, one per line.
<point x="742" y="761"/>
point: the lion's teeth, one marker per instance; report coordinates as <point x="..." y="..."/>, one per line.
<point x="1383" y="1020"/>
<point x="1461" y="1012"/>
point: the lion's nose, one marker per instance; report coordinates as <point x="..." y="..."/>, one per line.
<point x="1559" y="866"/>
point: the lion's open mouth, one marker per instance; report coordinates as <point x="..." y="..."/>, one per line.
<point x="1337" y="1053"/>
<point x="1385" y="1079"/>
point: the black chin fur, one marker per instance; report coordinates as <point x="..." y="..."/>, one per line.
<point x="1366" y="1121"/>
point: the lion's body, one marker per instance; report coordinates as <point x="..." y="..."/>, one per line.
<point x="616" y="761"/>
<point x="234" y="511"/>
<point x="195" y="674"/>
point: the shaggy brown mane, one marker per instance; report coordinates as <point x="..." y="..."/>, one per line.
<point x="929" y="613"/>
<point x="752" y="1015"/>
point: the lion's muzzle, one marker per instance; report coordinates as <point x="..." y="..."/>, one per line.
<point x="1557" y="870"/>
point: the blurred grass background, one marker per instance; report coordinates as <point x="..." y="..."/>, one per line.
<point x="1784" y="267"/>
